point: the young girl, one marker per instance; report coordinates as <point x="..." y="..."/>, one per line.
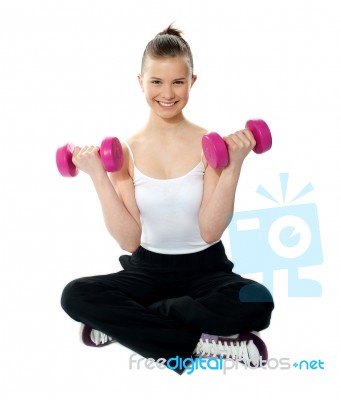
<point x="177" y="295"/>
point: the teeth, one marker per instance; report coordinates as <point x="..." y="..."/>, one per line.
<point x="166" y="104"/>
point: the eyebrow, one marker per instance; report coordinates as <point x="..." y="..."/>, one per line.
<point x="160" y="79"/>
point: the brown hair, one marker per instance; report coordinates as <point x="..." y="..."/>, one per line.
<point x="168" y="43"/>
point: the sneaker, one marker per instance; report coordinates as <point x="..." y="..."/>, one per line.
<point x="247" y="348"/>
<point x="94" y="338"/>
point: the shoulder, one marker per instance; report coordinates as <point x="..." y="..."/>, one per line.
<point x="196" y="134"/>
<point x="197" y="129"/>
<point x="129" y="147"/>
<point x="137" y="139"/>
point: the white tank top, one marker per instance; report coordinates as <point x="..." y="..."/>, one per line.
<point x="169" y="210"/>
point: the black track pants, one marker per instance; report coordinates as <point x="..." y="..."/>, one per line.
<point x="159" y="305"/>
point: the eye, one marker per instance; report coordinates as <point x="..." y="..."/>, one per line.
<point x="178" y="83"/>
<point x="155" y="82"/>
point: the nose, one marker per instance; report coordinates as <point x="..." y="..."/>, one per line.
<point x="168" y="92"/>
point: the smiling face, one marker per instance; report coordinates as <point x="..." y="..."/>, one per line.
<point x="166" y="83"/>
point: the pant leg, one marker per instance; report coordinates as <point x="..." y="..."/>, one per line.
<point x="117" y="304"/>
<point x="221" y="303"/>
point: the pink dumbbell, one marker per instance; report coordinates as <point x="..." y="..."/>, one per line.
<point x="215" y="147"/>
<point x="110" y="151"/>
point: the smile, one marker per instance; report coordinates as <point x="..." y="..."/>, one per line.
<point x="166" y="104"/>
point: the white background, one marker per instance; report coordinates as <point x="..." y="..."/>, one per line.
<point x="68" y="73"/>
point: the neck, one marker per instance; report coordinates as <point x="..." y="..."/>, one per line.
<point x="169" y="126"/>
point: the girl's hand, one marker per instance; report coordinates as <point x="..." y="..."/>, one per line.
<point x="239" y="146"/>
<point x="88" y="160"/>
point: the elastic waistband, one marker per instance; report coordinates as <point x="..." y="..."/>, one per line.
<point x="214" y="257"/>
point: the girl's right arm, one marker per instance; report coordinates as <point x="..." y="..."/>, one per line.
<point x="116" y="195"/>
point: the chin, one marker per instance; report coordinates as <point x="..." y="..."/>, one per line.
<point x="169" y="117"/>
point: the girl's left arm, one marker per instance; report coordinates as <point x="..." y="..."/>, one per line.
<point x="220" y="188"/>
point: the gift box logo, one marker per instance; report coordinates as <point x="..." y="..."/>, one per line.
<point x="284" y="237"/>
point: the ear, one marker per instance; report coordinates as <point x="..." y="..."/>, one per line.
<point x="140" y="79"/>
<point x="194" y="78"/>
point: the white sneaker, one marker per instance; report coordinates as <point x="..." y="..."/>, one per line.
<point x="247" y="348"/>
<point x="94" y="338"/>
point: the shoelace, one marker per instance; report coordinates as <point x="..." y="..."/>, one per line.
<point x="99" y="337"/>
<point x="235" y="350"/>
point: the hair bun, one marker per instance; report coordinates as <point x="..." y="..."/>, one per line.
<point x="170" y="30"/>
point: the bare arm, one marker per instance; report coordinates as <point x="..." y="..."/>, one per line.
<point x="116" y="196"/>
<point x="220" y="188"/>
